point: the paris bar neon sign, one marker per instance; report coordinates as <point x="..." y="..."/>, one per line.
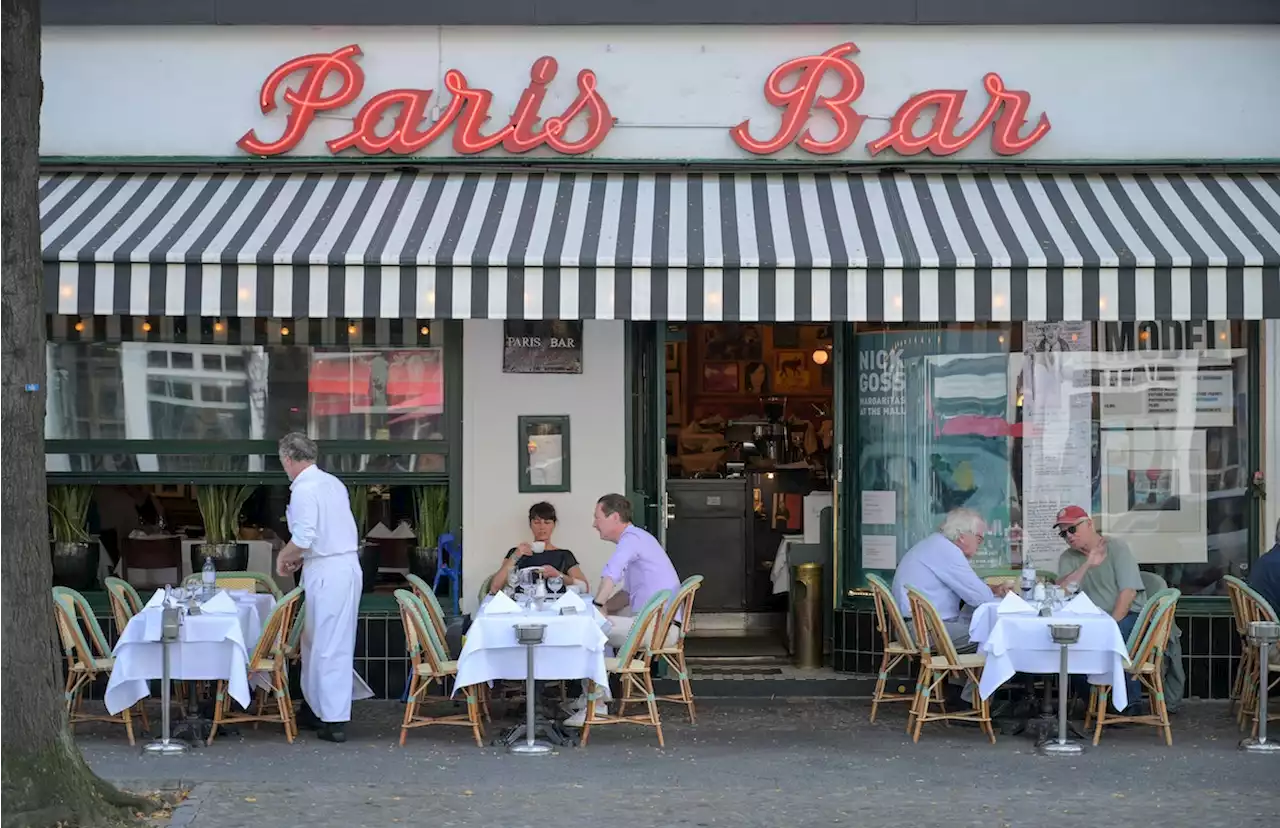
<point x="793" y="87"/>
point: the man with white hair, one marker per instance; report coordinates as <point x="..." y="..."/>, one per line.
<point x="939" y="567"/>
<point x="323" y="542"/>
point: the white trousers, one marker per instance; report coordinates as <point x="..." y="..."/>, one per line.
<point x="329" y="681"/>
<point x="620" y="628"/>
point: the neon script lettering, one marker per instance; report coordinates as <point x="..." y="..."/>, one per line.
<point x="467" y="111"/>
<point x="1005" y="112"/>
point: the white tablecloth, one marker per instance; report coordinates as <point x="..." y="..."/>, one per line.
<point x="210" y="646"/>
<point x="780" y="574"/>
<point x="1022" y="643"/>
<point x="573" y="648"/>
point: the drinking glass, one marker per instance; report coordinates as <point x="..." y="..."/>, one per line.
<point x="555" y="584"/>
<point x="513" y="578"/>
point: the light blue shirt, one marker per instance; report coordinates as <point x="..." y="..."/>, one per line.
<point x="938" y="568"/>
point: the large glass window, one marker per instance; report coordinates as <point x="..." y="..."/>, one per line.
<point x="1147" y="425"/>
<point x="211" y="408"/>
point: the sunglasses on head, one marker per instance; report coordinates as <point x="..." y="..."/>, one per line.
<point x="1068" y="531"/>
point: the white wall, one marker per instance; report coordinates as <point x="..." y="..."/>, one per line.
<point x="494" y="512"/>
<point x="1111" y="92"/>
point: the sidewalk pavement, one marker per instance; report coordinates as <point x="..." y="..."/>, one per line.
<point x="745" y="764"/>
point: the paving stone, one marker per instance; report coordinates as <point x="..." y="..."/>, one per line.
<point x="745" y="764"/>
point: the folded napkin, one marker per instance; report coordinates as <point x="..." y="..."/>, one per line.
<point x="1013" y="603"/>
<point x="500" y="604"/>
<point x="1081" y="605"/>
<point x="219" y="603"/>
<point x="569" y="599"/>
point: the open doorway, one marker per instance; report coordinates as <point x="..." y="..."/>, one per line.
<point x="749" y="424"/>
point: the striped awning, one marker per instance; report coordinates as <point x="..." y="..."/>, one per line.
<point x="891" y="246"/>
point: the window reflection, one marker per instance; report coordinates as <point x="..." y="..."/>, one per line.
<point x="172" y="391"/>
<point x="1145" y="425"/>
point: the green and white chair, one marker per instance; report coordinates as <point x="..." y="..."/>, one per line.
<point x="631" y="666"/>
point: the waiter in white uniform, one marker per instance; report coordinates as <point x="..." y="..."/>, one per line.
<point x="323" y="542"/>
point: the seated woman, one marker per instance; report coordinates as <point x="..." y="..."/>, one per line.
<point x="540" y="553"/>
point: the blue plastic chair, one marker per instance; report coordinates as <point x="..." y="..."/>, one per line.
<point x="449" y="558"/>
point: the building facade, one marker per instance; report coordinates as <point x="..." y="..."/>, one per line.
<point x="1007" y="267"/>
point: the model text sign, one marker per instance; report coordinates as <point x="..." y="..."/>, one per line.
<point x="405" y="121"/>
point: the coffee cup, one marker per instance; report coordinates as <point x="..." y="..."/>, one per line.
<point x="538" y="547"/>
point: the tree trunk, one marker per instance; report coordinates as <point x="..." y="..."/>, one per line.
<point x="45" y="779"/>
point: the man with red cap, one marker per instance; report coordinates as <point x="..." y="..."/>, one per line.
<point x="1103" y="566"/>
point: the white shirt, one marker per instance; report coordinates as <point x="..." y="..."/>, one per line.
<point x="938" y="568"/>
<point x="319" y="515"/>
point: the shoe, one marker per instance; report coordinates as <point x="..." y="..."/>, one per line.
<point x="579" y="719"/>
<point x="332" y="732"/>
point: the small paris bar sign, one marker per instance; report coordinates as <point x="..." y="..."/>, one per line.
<point x="542" y="346"/>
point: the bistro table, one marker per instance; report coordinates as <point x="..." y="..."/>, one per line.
<point x="1015" y="638"/>
<point x="573" y="647"/>
<point x="213" y="645"/>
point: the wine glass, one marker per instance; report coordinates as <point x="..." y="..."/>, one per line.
<point x="513" y="579"/>
<point x="555" y="583"/>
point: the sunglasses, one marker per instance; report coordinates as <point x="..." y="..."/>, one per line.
<point x="1069" y="530"/>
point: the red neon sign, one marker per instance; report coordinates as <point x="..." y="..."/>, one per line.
<point x="467" y="112"/>
<point x="1006" y="109"/>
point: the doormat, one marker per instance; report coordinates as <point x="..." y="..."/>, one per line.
<point x="738" y="671"/>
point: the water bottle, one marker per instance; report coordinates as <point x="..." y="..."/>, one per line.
<point x="209" y="577"/>
<point x="1028" y="578"/>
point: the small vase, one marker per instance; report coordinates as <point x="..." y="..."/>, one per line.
<point x="423" y="562"/>
<point x="75" y="565"/>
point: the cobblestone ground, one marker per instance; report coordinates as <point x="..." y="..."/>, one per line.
<point x="761" y="763"/>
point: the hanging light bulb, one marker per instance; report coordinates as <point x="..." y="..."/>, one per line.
<point x="820" y="356"/>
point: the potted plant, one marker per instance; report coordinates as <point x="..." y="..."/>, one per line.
<point x="370" y="559"/>
<point x="75" y="557"/>
<point x="431" y="513"/>
<point x="220" y="507"/>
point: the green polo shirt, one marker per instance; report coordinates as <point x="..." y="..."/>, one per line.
<point x="1104" y="582"/>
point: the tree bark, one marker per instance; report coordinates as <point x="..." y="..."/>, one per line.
<point x="45" y="779"/>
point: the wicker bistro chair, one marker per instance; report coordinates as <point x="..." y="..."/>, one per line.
<point x="429" y="664"/>
<point x="268" y="657"/>
<point x="252" y="581"/>
<point x="899" y="643"/>
<point x="125" y="601"/>
<point x="88" y="657"/>
<point x="1146" y="664"/>
<point x="1247" y="606"/>
<point x="632" y="666"/>
<point x="673" y="655"/>
<point x="1252" y="607"/>
<point x="936" y="665"/>
<point x="1136" y="636"/>
<point x="427" y="595"/>
<point x="293" y="638"/>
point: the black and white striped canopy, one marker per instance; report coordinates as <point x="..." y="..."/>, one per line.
<point x="644" y="245"/>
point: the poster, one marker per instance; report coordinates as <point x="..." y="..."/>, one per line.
<point x="934" y="431"/>
<point x="1057" y="416"/>
<point x="542" y="346"/>
<point x="879" y="508"/>
<point x="1153" y="494"/>
<point x="1170" y="390"/>
<point x="879" y="552"/>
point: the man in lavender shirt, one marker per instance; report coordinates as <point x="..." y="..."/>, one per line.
<point x="642" y="563"/>
<point x="639" y="560"/>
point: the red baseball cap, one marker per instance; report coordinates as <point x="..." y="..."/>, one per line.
<point x="1071" y="515"/>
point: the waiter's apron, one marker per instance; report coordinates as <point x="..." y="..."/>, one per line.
<point x="332" y="585"/>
